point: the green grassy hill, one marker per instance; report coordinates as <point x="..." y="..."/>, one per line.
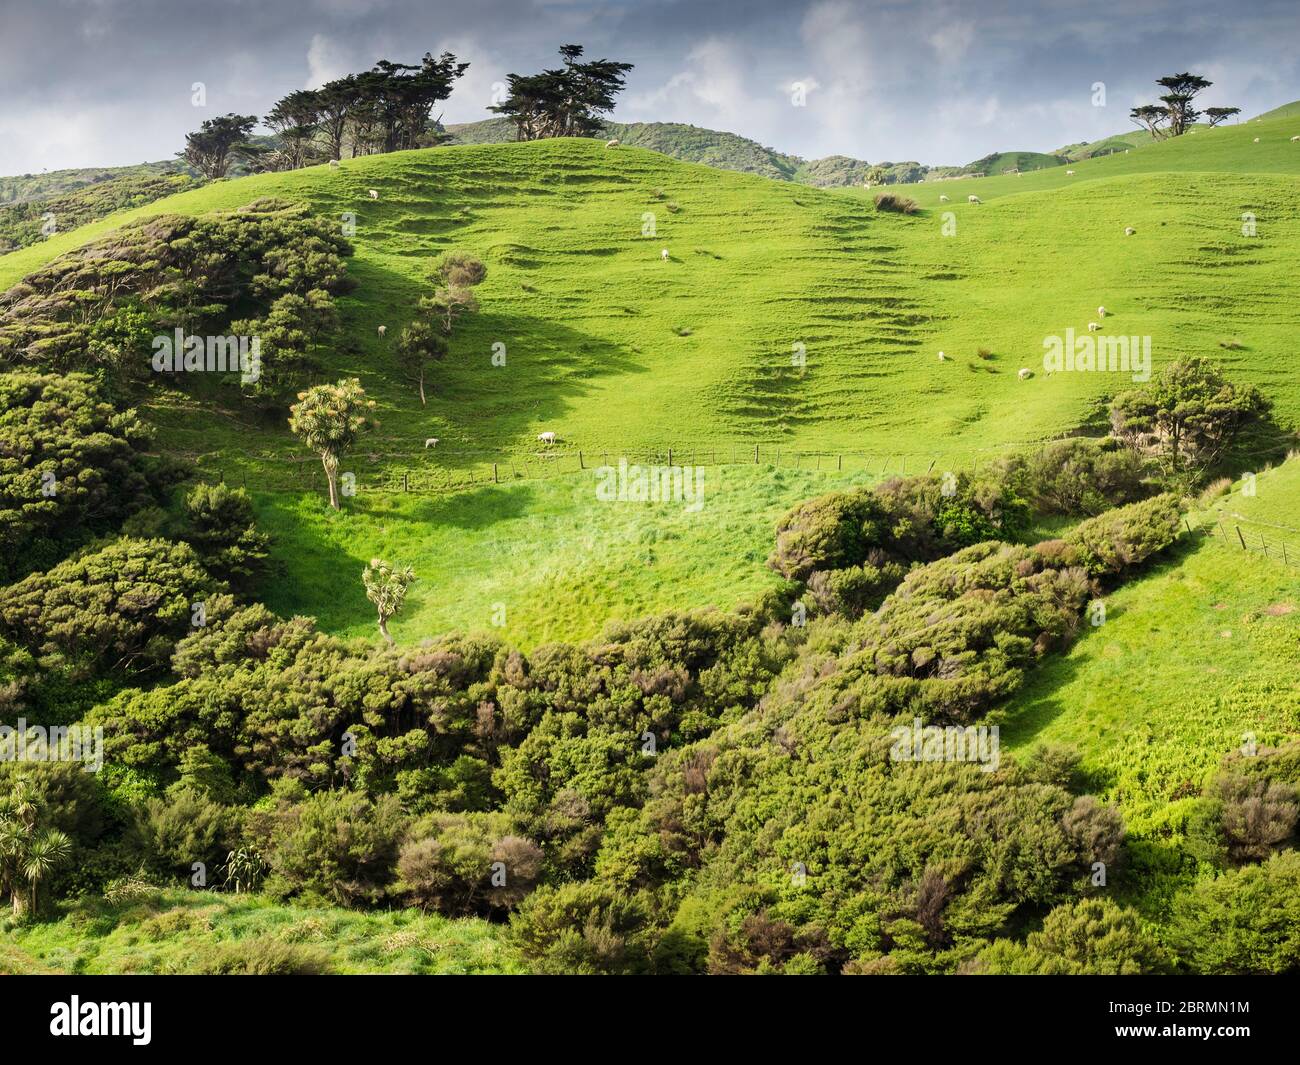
<point x="621" y="353"/>
<point x="1001" y="162"/>
<point x="28" y="188"/>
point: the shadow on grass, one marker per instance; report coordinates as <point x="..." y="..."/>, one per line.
<point x="1037" y="704"/>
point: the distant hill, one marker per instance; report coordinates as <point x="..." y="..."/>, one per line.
<point x="1291" y="110"/>
<point x="1006" y="162"/>
<point x="29" y="188"/>
<point x="692" y="144"/>
<point x="24" y="223"/>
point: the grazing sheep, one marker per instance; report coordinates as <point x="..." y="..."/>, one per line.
<point x="943" y="357"/>
<point x="1294" y="139"/>
<point x="1093" y="327"/>
<point x="664" y="255"/>
<point x="1129" y="231"/>
<point x="612" y="143"/>
<point x="1256" y="140"/>
<point x="1069" y="173"/>
<point x="1101" y="312"/>
<point x="943" y="199"/>
<point x="431" y="442"/>
<point x="546" y="438"/>
<point x="374" y="194"/>
<point x="1025" y="373"/>
<point x="383" y="329"/>
<point x="334" y="164"/>
<point x="973" y="199"/>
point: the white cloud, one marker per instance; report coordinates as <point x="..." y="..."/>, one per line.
<point x="326" y="60"/>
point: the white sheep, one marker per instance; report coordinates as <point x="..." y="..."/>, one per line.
<point x="612" y="143"/>
<point x="1025" y="373"/>
<point x="943" y="199"/>
<point x="546" y="438"/>
<point x="1069" y="173"/>
<point x="1129" y="231"/>
<point x="1256" y="140"/>
<point x="664" y="255"/>
<point x="374" y="194"/>
<point x="1294" y="139"/>
<point x="431" y="442"/>
<point x="1093" y="327"/>
<point x="943" y="357"/>
<point x="973" y="199"/>
<point x="383" y="329"/>
<point x="1101" y="312"/>
<point x="334" y="164"/>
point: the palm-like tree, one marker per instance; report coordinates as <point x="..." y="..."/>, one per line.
<point x="27" y="853"/>
<point x="45" y="850"/>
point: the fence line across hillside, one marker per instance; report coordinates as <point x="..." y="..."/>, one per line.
<point x="299" y="473"/>
<point x="1232" y="536"/>
<point x="386" y="472"/>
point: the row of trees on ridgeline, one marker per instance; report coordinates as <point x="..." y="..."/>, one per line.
<point x="389" y="109"/>
<point x="1176" y="113"/>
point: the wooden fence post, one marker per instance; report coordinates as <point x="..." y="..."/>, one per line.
<point x="1241" y="538"/>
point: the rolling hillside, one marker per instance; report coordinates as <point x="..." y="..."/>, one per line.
<point x="621" y="353"/>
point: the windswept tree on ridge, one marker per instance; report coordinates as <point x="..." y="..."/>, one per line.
<point x="217" y="143"/>
<point x="1176" y="113"/>
<point x="567" y="102"/>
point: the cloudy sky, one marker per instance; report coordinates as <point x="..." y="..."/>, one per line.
<point x="110" y="82"/>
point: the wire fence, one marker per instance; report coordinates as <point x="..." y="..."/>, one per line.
<point x="1230" y="534"/>
<point x="454" y="470"/>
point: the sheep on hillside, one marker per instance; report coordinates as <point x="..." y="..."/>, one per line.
<point x="1129" y="231"/>
<point x="612" y="143"/>
<point x="1025" y="373"/>
<point x="943" y="199"/>
<point x="383" y="329"/>
<point x="431" y="442"/>
<point x="1294" y="139"/>
<point x="1256" y="140"/>
<point x="943" y="357"/>
<point x="1101" y="312"/>
<point x="374" y="194"/>
<point x="1069" y="173"/>
<point x="1093" y="327"/>
<point x="664" y="255"/>
<point x="546" y="438"/>
<point x="973" y="199"/>
<point x="334" y="164"/>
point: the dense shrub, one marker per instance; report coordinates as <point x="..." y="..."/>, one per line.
<point x="270" y="264"/>
<point x="120" y="609"/>
<point x="1127" y="536"/>
<point x="582" y="929"/>
<point x="1257" y="814"/>
<point x="1245" y="921"/>
<point x="1081" y="476"/>
<point x="337" y="846"/>
<point x="220" y="526"/>
<point x="1092" y="937"/>
<point x="461" y="864"/>
<point x="890" y="201"/>
<point x="71" y="466"/>
<point x="184" y="827"/>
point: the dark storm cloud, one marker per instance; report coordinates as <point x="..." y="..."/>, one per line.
<point x="86" y="82"/>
